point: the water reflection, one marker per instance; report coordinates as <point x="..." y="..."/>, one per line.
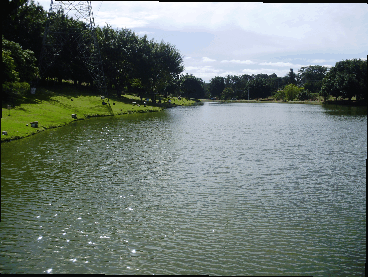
<point x="345" y="110"/>
<point x="251" y="189"/>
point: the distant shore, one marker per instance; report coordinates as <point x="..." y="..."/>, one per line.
<point x="263" y="101"/>
<point x="330" y="102"/>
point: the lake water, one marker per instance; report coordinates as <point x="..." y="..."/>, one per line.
<point x="219" y="189"/>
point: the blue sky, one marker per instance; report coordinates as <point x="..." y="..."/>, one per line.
<point x="232" y="38"/>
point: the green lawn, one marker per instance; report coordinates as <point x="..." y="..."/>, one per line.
<point x="54" y="108"/>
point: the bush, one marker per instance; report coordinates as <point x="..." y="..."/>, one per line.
<point x="227" y="94"/>
<point x="12" y="91"/>
<point x="291" y="92"/>
<point x="18" y="64"/>
<point x="314" y="96"/>
<point x="9" y="68"/>
<point x="304" y="95"/>
<point x="279" y="95"/>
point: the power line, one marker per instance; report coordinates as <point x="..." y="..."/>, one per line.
<point x="87" y="45"/>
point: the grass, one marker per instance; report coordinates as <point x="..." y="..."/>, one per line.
<point x="54" y="108"/>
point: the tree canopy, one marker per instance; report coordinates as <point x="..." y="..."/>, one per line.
<point x="130" y="62"/>
<point x="191" y="86"/>
<point x="346" y="79"/>
<point x="19" y="70"/>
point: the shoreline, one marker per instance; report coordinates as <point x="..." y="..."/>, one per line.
<point x="309" y="102"/>
<point x="55" y="107"/>
<point x="45" y="128"/>
<point x="265" y="101"/>
<point x="86" y="105"/>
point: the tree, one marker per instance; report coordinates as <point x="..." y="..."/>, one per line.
<point x="191" y="86"/>
<point x="348" y="78"/>
<point x="245" y="81"/>
<point x="19" y="63"/>
<point x="66" y="50"/>
<point x="216" y="86"/>
<point x="273" y="82"/>
<point x="9" y="8"/>
<point x="362" y="76"/>
<point x="310" y="77"/>
<point x="19" y="70"/>
<point x="280" y="95"/>
<point x="291" y="77"/>
<point x="172" y="88"/>
<point x="235" y="85"/>
<point x="291" y="92"/>
<point x="9" y="69"/>
<point x="111" y="54"/>
<point x="24" y="22"/>
<point x="260" y="87"/>
<point x="167" y="65"/>
<point x="354" y="78"/>
<point x="227" y="93"/>
<point x="328" y="86"/>
<point x="157" y="65"/>
<point x="304" y="94"/>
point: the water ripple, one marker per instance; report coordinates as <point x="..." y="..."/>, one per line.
<point x="188" y="191"/>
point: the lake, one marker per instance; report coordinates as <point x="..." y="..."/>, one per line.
<point x="218" y="189"/>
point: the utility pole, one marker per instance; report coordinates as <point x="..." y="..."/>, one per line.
<point x="87" y="45"/>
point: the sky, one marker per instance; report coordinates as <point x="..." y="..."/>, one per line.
<point x="236" y="38"/>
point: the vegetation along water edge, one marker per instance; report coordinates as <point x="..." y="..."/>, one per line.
<point x="57" y="106"/>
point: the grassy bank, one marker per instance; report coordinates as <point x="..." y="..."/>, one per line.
<point x="53" y="107"/>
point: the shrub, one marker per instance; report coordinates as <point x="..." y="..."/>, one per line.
<point x="279" y="95"/>
<point x="304" y="95"/>
<point x="14" y="90"/>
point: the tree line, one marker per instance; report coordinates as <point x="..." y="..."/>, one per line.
<point x="347" y="79"/>
<point x="131" y="63"/>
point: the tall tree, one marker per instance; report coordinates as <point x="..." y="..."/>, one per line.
<point x="18" y="60"/>
<point x="216" y="86"/>
<point x="310" y="77"/>
<point x="348" y="78"/>
<point x="23" y="22"/>
<point x="260" y="86"/>
<point x="291" y="77"/>
<point x="167" y="64"/>
<point x="19" y="70"/>
<point x="191" y="86"/>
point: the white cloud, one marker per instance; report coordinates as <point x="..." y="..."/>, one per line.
<point x="205" y="68"/>
<point x="235" y="35"/>
<point x="120" y="21"/>
<point x="318" y="61"/>
<point x="268" y="71"/>
<point x="279" y="64"/>
<point x="206" y="59"/>
<point x="238" y="61"/>
<point x="204" y="72"/>
<point x="142" y="33"/>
